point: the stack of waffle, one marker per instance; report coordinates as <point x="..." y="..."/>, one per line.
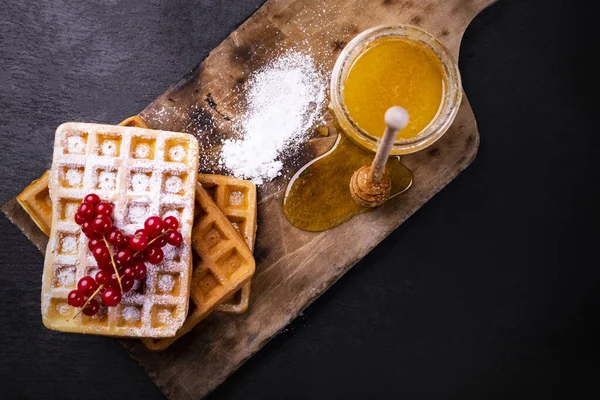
<point x="212" y="268"/>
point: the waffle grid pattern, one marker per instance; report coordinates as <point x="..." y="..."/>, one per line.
<point x="237" y="201"/>
<point x="142" y="173"/>
<point x="224" y="264"/>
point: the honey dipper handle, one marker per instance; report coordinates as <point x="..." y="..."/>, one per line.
<point x="396" y="119"/>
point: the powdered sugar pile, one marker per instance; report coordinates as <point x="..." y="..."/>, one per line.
<point x="284" y="100"/>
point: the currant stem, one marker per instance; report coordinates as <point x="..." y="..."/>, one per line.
<point x="152" y="241"/>
<point x="88" y="300"/>
<point x="112" y="260"/>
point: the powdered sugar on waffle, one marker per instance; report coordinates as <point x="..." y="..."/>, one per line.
<point x="166" y="283"/>
<point x="142" y="150"/>
<point x="65" y="277"/>
<point x="131" y="313"/>
<point x="141" y="173"/>
<point x="75" y="144"/>
<point x="68" y="244"/>
<point x="284" y="100"/>
<point x="74" y="177"/>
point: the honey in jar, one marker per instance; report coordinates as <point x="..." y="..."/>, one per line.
<point x="394" y="71"/>
<point x="396" y="65"/>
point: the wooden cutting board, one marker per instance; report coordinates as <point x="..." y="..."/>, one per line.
<point x="293" y="267"/>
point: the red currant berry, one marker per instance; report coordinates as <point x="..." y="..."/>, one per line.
<point x="153" y="225"/>
<point x="87" y="229"/>
<point x="92" y="308"/>
<point x="91" y="199"/>
<point x="142" y="231"/>
<point x="95" y="242"/>
<point x="102" y="277"/>
<point x="104" y="209"/>
<point x="171" y="222"/>
<point x="124" y="257"/>
<point x="174" y="238"/>
<point x="102" y="224"/>
<point x="113" y="282"/>
<point x="129" y="272"/>
<point x="127" y="284"/>
<point x="116" y="238"/>
<point x="105" y="265"/>
<point x="138" y="242"/>
<point x="111" y="297"/>
<point x="79" y="220"/>
<point x="154" y="255"/>
<point x="160" y="241"/>
<point x="140" y="269"/>
<point x="76" y="298"/>
<point x="125" y="244"/>
<point x="87" y="285"/>
<point x="101" y="254"/>
<point x="86" y="211"/>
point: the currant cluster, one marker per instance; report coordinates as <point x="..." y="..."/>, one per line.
<point x="121" y="258"/>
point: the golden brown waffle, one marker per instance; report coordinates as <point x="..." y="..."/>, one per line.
<point x="225" y="265"/>
<point x="35" y="200"/>
<point x="236" y="199"/>
<point x="142" y="172"/>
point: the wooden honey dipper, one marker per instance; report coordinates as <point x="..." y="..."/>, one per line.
<point x="371" y="185"/>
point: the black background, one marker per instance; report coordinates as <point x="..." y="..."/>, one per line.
<point x="491" y="290"/>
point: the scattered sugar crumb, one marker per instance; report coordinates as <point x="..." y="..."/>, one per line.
<point x="131" y="313"/>
<point x="170" y="252"/>
<point x="177" y="153"/>
<point x="75" y="144"/>
<point x="172" y="213"/>
<point x="109" y="148"/>
<point x="74" y="177"/>
<point x="236" y="198"/>
<point x="140" y="182"/>
<point x="142" y="150"/>
<point x="70" y="210"/>
<point x="137" y="213"/>
<point x="164" y="317"/>
<point x="166" y="283"/>
<point x="65" y="277"/>
<point x="68" y="244"/>
<point x="173" y="184"/>
<point x="63" y="308"/>
<point x="107" y="180"/>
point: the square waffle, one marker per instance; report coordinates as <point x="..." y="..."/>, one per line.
<point x="35" y="200"/>
<point x="225" y="263"/>
<point x="236" y="199"/>
<point x="142" y="172"/>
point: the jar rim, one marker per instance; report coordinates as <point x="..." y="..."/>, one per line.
<point x="451" y="97"/>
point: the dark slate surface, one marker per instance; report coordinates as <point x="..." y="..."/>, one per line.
<point x="492" y="290"/>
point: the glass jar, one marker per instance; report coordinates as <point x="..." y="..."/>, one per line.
<point x="451" y="95"/>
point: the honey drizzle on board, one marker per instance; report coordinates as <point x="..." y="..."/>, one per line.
<point x="390" y="72"/>
<point x="318" y="195"/>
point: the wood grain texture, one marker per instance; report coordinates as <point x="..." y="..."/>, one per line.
<point x="295" y="267"/>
